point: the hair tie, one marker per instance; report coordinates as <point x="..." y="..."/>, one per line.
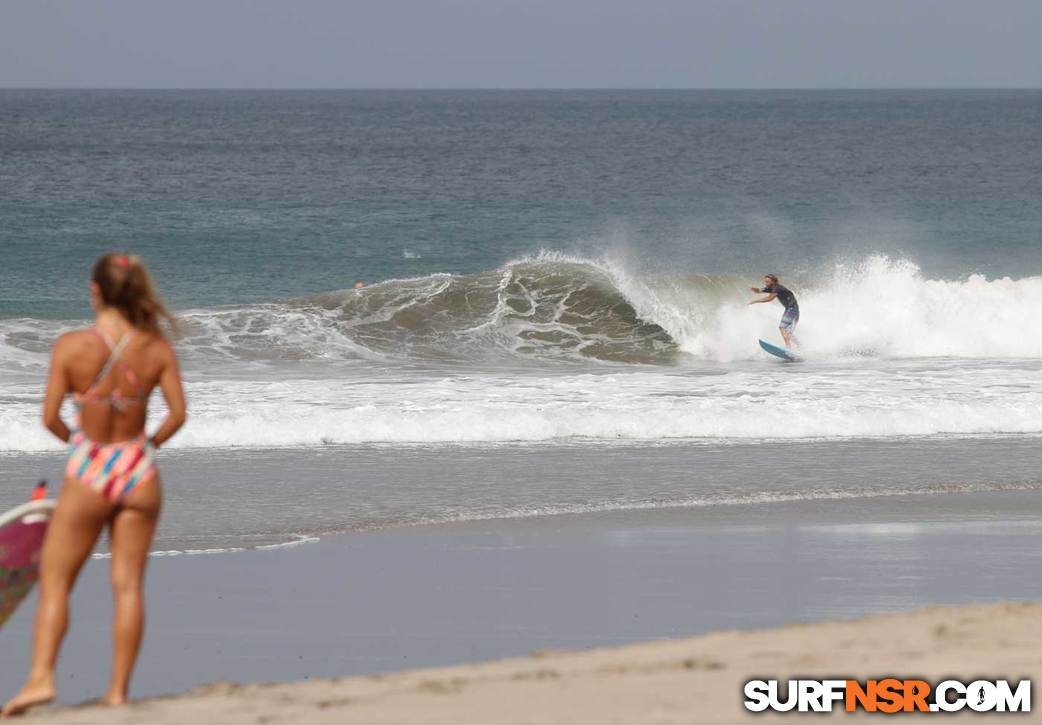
<point x="123" y="261"/>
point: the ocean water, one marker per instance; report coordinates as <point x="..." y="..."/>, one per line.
<point x="542" y="268"/>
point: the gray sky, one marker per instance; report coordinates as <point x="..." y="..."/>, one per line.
<point x="520" y="43"/>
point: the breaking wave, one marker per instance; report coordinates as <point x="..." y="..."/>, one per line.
<point x="557" y="308"/>
<point x="506" y="355"/>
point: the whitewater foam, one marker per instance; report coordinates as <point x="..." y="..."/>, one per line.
<point x="885" y="308"/>
<point x="298" y="541"/>
<point x="765" y="401"/>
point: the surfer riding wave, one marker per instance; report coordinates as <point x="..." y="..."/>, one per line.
<point x="776" y="290"/>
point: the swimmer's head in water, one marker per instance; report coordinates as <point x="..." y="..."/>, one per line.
<point x="359" y="285"/>
<point x="122" y="281"/>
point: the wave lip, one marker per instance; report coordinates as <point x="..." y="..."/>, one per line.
<point x="548" y="306"/>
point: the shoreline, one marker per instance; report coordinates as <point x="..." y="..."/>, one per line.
<point x="248" y="498"/>
<point x="697" y="679"/>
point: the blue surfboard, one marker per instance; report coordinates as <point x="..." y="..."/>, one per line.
<point x="778" y="351"/>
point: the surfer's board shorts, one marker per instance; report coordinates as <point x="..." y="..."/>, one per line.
<point x="790" y="318"/>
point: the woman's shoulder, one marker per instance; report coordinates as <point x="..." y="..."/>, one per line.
<point x="76" y="345"/>
<point x="154" y="343"/>
<point x="78" y="338"/>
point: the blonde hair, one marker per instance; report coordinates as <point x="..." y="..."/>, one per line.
<point x="125" y="284"/>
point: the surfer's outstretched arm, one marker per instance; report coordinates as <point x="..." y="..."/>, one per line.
<point x="769" y="298"/>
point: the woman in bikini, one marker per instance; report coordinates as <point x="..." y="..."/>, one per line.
<point x="111" y="477"/>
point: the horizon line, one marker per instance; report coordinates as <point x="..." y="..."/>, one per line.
<point x="508" y="89"/>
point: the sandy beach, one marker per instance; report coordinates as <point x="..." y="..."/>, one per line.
<point x="638" y="616"/>
<point x="695" y="680"/>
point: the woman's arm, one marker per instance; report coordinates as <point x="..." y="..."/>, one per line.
<point x="174" y="394"/>
<point x="57" y="389"/>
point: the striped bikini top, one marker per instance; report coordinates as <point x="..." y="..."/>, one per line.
<point x="117" y="398"/>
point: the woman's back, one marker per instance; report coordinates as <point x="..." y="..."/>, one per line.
<point x="111" y="376"/>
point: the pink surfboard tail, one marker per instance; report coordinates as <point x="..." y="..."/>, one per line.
<point x="22" y="531"/>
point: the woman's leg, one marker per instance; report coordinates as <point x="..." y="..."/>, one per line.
<point x="71" y="534"/>
<point x="131" y="537"/>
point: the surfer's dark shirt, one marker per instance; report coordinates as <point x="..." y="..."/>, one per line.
<point x="785" y="295"/>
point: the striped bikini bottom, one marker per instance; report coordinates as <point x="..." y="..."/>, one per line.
<point x="111" y="469"/>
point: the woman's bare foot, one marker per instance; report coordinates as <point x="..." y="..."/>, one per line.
<point x="114" y="700"/>
<point x="30" y="696"/>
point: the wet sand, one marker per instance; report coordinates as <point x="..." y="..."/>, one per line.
<point x="229" y="498"/>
